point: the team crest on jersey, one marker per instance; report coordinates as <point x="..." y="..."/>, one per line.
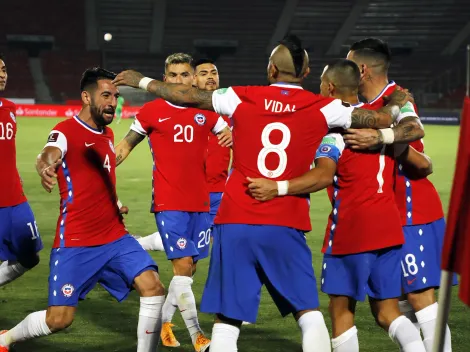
<point x="112" y="147"/>
<point x="181" y="243"/>
<point x="67" y="290"/>
<point x="12" y="115"/>
<point x="325" y="149"/>
<point x="200" y="119"/>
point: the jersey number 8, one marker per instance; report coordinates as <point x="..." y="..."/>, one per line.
<point x="279" y="149"/>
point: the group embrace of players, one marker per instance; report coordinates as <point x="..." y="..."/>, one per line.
<point x="384" y="234"/>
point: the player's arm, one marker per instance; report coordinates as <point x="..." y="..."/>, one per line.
<point x="47" y="163"/>
<point x="223" y="132"/>
<point x="316" y="179"/>
<point x="415" y="164"/>
<point x="179" y="94"/>
<point x="126" y="145"/>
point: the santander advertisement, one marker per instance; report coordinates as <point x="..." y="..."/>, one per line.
<point x="62" y="110"/>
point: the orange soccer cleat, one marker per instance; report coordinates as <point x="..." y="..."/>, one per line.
<point x="167" y="336"/>
<point x="202" y="343"/>
<point x="3" y="348"/>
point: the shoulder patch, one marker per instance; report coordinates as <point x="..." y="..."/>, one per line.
<point x="53" y="137"/>
<point x="329" y="140"/>
<point x="221" y="90"/>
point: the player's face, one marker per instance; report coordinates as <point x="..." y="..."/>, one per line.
<point x="179" y="73"/>
<point x="206" y="77"/>
<point x="3" y="75"/>
<point x="103" y="102"/>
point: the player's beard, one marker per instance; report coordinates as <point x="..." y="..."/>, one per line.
<point x="98" y="116"/>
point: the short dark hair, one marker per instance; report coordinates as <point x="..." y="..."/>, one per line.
<point x="373" y="48"/>
<point x="202" y="61"/>
<point x="294" y="44"/>
<point x="92" y="75"/>
<point x="344" y="74"/>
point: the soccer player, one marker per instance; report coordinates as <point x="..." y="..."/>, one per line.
<point x="206" y="76"/>
<point x="178" y="139"/>
<point x="91" y="245"/>
<point x="420" y="207"/>
<point x="362" y="245"/>
<point x="277" y="130"/>
<point x="120" y="105"/>
<point x="19" y="236"/>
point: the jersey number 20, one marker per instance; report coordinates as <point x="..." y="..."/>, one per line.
<point x="279" y="149"/>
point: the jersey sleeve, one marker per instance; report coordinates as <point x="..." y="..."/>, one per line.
<point x="337" y="114"/>
<point x="406" y="111"/>
<point x="225" y="101"/>
<point x="141" y="123"/>
<point x="331" y="146"/>
<point x="220" y="125"/>
<point x="57" y="139"/>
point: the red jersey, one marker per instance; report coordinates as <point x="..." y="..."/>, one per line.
<point x="11" y="190"/>
<point x="89" y="215"/>
<point x="178" y="141"/>
<point x="276" y="131"/>
<point x="417" y="199"/>
<point x="365" y="216"/>
<point x="217" y="163"/>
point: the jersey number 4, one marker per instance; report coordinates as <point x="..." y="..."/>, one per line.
<point x="279" y="149"/>
<point x="6" y="130"/>
<point x="107" y="164"/>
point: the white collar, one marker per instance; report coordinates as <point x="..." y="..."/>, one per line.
<point x="285" y="85"/>
<point x="89" y="128"/>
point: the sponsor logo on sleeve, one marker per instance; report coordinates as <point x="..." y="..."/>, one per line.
<point x="53" y="137"/>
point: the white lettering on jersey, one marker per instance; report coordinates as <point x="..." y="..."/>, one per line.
<point x="277" y="106"/>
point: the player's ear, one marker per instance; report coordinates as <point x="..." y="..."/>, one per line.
<point x="331" y="89"/>
<point x="164" y="78"/>
<point x="307" y="72"/>
<point x="274" y="71"/>
<point x="86" y="98"/>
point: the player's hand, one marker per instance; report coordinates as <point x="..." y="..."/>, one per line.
<point x="262" y="189"/>
<point x="128" y="78"/>
<point x="225" y="137"/>
<point x="48" y="176"/>
<point x="124" y="210"/>
<point x="399" y="97"/>
<point x="362" y="138"/>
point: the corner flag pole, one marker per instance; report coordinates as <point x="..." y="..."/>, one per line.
<point x="445" y="290"/>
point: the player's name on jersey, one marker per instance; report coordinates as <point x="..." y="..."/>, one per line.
<point x="277" y="106"/>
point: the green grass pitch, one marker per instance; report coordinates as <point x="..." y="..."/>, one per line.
<point x="102" y="324"/>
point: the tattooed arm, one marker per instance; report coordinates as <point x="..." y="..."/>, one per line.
<point x="126" y="145"/>
<point x="178" y="94"/>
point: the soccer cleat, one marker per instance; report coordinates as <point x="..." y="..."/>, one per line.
<point x="137" y="237"/>
<point x="246" y="323"/>
<point x="202" y="343"/>
<point x="167" y="336"/>
<point x="3" y="348"/>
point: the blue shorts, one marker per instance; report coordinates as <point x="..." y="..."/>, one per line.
<point x="216" y="197"/>
<point x="19" y="236"/>
<point x="422" y="251"/>
<point x="184" y="234"/>
<point x="375" y="274"/>
<point x="74" y="271"/>
<point x="244" y="257"/>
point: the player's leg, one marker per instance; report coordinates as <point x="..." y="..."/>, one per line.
<point x="20" y="242"/>
<point x="344" y="279"/>
<point x="131" y="267"/>
<point x="233" y="285"/>
<point x="285" y="267"/>
<point x="384" y="288"/>
<point x="151" y="242"/>
<point x="186" y="239"/>
<point x="73" y="273"/>
<point x="421" y="275"/>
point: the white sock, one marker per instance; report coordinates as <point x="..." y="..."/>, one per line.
<point x="170" y="306"/>
<point x="402" y="332"/>
<point x="224" y="338"/>
<point x="34" y="325"/>
<point x="346" y="342"/>
<point x="150" y="323"/>
<point x="315" y="335"/>
<point x="152" y="242"/>
<point x="186" y="304"/>
<point x="427" y="321"/>
<point x="407" y="310"/>
<point x="10" y="271"/>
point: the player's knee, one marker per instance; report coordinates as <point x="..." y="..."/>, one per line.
<point x="384" y="318"/>
<point x="421" y="299"/>
<point x="183" y="266"/>
<point x="58" y="321"/>
<point x="149" y="284"/>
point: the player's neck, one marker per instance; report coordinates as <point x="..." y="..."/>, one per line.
<point x="351" y="99"/>
<point x="86" y="117"/>
<point x="371" y="89"/>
